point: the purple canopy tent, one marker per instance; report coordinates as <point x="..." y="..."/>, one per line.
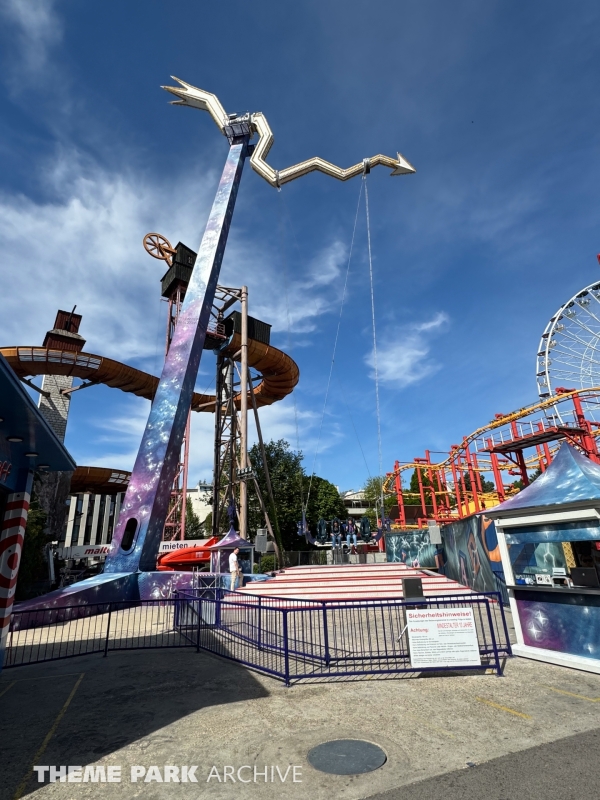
<point x="220" y="552"/>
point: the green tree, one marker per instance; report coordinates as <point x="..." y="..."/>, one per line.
<point x="486" y="486"/>
<point x="532" y="476"/>
<point x="324" y="501"/>
<point x="290" y="490"/>
<point x="287" y="477"/>
<point x="33" y="566"/>
<point x="372" y="492"/>
<point x="415" y="495"/>
<point x="194" y="529"/>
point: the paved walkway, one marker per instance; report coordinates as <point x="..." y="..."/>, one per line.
<point x="179" y="708"/>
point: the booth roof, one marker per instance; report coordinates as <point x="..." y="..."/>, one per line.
<point x="21" y="418"/>
<point x="570" y="479"/>
<point x="230" y="541"/>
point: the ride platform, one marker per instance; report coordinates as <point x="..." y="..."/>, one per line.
<point x="352" y="582"/>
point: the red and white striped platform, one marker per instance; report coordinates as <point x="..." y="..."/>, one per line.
<point x="352" y="582"/>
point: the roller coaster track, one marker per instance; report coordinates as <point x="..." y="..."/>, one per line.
<point x="278" y="371"/>
<point x="499" y="422"/>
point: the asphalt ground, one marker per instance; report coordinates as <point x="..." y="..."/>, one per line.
<point x="534" y="733"/>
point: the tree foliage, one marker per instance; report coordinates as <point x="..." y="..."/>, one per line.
<point x="372" y="492"/>
<point x="324" y="501"/>
<point x="486" y="486"/>
<point x="290" y="489"/>
<point x="415" y="496"/>
<point x="194" y="529"/>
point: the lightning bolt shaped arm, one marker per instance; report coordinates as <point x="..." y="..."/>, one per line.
<point x="259" y="164"/>
<point x="198" y="98"/>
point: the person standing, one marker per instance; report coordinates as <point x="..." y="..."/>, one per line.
<point x="234" y="568"/>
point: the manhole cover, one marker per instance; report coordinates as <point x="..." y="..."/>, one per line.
<point x="346" y="757"/>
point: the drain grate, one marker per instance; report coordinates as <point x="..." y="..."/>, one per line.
<point x="346" y="757"/>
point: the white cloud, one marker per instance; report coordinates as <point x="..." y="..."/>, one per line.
<point x="38" y="30"/>
<point x="403" y="357"/>
<point x="83" y="246"/>
<point x="300" y="301"/>
<point x="118" y="436"/>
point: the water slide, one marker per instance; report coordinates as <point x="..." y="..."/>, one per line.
<point x="278" y="371"/>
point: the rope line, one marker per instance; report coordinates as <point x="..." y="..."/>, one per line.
<point x="337" y="335"/>
<point x="289" y="328"/>
<point x="375" y="363"/>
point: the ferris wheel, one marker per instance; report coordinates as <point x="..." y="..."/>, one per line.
<point x="569" y="351"/>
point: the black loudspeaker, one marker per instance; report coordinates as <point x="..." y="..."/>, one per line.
<point x="260" y="543"/>
<point x="412" y="587"/>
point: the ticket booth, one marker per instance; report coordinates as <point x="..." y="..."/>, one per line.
<point x="549" y="538"/>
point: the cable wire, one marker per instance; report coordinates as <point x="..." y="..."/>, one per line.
<point x="289" y="334"/>
<point x="375" y="364"/>
<point x="337" y="335"/>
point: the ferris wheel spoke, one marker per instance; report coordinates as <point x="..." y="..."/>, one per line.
<point x="569" y="352"/>
<point x="585" y="344"/>
<point x="587" y="309"/>
<point x="569" y="373"/>
<point x="566" y="357"/>
<point x="576" y="336"/>
<point x="579" y="357"/>
<point x="581" y="324"/>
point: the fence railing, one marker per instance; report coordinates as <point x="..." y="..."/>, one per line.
<point x="289" y="639"/>
<point x="301" y="639"/>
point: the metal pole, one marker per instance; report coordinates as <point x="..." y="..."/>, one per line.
<point x="244" y="414"/>
<point x="184" y="476"/>
<point x="138" y="532"/>
<point x="107" y="630"/>
<point x="286" y="650"/>
<point x="497" y="476"/>
<point x="431" y="483"/>
<point x="471" y="474"/>
<point x="399" y="495"/>
<point x="277" y="537"/>
<point x="232" y="435"/>
<point x="216" y="504"/>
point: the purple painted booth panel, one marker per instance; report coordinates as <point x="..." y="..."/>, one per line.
<point x="567" y="623"/>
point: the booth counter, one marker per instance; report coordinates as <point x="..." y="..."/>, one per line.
<point x="549" y="539"/>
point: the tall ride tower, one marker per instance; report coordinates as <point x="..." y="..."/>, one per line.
<point x="173" y="287"/>
<point x="55" y="397"/>
<point x="52" y="489"/>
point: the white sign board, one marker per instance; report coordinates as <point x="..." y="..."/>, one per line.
<point x="444" y="637"/>
<point x="102" y="550"/>
<point x="78" y="551"/>
<point x="179" y="544"/>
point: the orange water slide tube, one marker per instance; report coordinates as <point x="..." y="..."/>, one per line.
<point x="279" y="372"/>
<point x="186" y="558"/>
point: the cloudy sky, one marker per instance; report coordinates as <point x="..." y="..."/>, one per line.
<point x="495" y="103"/>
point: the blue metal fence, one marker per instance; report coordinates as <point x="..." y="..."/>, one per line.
<point x="289" y="639"/>
<point x="302" y="639"/>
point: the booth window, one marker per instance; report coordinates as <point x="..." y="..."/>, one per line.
<point x="555" y="550"/>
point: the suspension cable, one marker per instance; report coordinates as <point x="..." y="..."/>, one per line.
<point x="335" y="343"/>
<point x="375" y="364"/>
<point x="289" y="334"/>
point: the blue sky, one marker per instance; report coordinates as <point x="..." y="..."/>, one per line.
<point x="496" y="104"/>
